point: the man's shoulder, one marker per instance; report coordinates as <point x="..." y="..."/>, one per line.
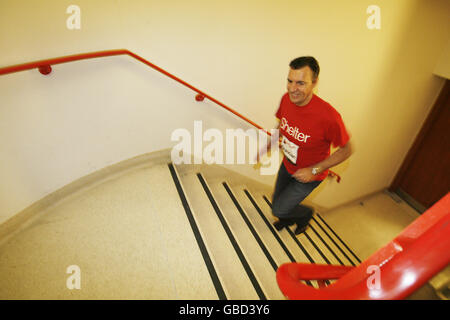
<point x="319" y="101"/>
<point x="285" y="98"/>
<point x="325" y="107"/>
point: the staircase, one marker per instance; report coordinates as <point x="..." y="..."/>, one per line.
<point x="163" y="231"/>
<point x="233" y="216"/>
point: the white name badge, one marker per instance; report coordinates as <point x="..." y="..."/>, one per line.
<point x="290" y="149"/>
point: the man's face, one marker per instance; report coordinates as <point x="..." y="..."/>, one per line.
<point x="300" y="85"/>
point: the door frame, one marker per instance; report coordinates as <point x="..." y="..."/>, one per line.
<point x="415" y="148"/>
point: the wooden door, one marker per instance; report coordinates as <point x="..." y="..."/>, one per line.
<point x="424" y="176"/>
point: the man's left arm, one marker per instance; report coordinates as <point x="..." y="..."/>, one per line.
<point x="340" y="155"/>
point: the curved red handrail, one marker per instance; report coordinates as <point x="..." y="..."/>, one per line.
<point x="406" y="263"/>
<point x="108" y="53"/>
<point x="44" y="67"/>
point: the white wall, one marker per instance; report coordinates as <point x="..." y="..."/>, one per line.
<point x="89" y="114"/>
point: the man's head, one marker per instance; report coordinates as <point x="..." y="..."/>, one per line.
<point x="302" y="78"/>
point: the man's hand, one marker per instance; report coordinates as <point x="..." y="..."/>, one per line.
<point x="275" y="136"/>
<point x="304" y="175"/>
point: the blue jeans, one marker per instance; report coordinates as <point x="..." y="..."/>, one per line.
<point x="288" y="194"/>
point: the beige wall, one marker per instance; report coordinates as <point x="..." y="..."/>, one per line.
<point x="442" y="68"/>
<point x="87" y="115"/>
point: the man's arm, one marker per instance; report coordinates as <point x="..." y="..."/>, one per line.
<point x="340" y="155"/>
<point x="264" y="150"/>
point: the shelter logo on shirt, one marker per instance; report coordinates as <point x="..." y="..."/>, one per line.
<point x="290" y="149"/>
<point x="293" y="132"/>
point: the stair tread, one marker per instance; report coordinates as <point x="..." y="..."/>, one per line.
<point x="255" y="256"/>
<point x="184" y="260"/>
<point x="228" y="266"/>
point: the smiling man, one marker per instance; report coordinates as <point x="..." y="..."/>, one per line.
<point x="308" y="127"/>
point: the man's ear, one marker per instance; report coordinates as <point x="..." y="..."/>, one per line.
<point x="315" y="82"/>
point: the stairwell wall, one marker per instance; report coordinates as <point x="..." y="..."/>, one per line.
<point x="87" y="115"/>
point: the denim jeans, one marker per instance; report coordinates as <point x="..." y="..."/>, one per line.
<point x="288" y="194"/>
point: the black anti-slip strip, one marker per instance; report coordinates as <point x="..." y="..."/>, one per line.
<point x="269" y="225"/>
<point x="301" y="246"/>
<point x="252" y="229"/>
<point x="294" y="237"/>
<point x="201" y="244"/>
<point x="233" y="241"/>
<point x="334" y="242"/>
<point x="326" y="244"/>
<point x="354" y="255"/>
<point x="296" y="241"/>
<point x="317" y="248"/>
<point x="335" y="234"/>
<point x="309" y="239"/>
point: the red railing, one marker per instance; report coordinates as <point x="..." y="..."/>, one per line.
<point x="44" y="67"/>
<point x="393" y="272"/>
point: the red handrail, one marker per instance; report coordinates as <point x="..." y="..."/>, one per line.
<point x="44" y="66"/>
<point x="419" y="252"/>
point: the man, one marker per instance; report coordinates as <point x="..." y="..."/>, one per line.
<point x="308" y="127"/>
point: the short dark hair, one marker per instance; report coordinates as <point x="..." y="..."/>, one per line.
<point x="309" y="61"/>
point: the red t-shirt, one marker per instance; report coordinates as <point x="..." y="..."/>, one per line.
<point x="307" y="133"/>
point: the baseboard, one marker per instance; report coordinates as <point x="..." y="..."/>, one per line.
<point x="410" y="201"/>
<point x="23" y="218"/>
